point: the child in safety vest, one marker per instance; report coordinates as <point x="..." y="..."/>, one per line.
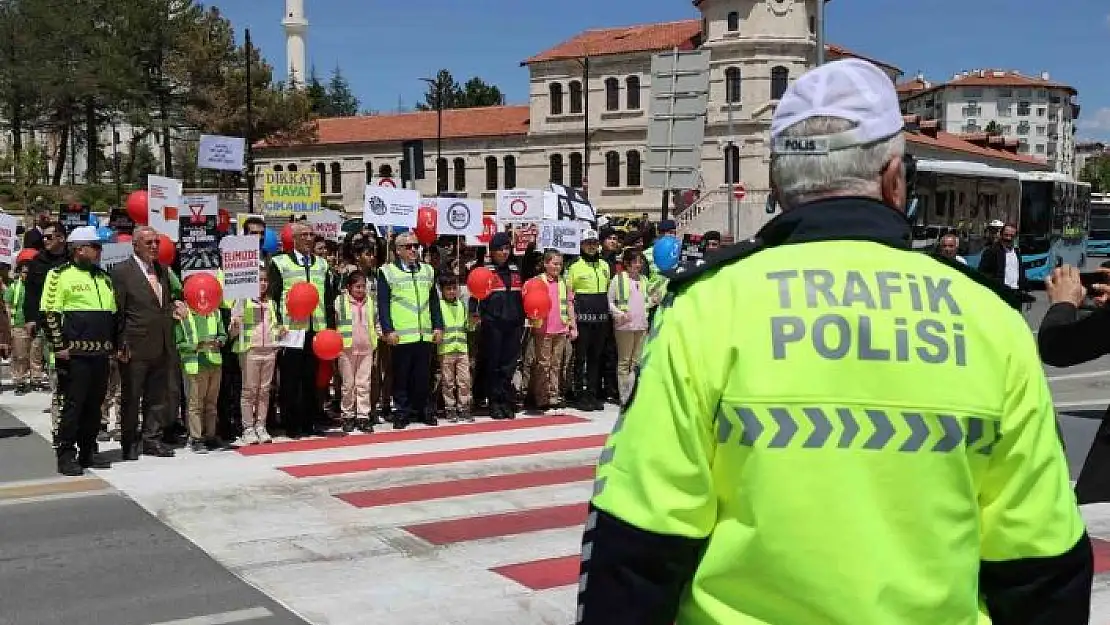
<point x="23" y="367"/>
<point x="356" y="319"/>
<point x="629" y="301"/>
<point x="256" y="325"/>
<point x="553" y="335"/>
<point x="199" y="339"/>
<point x="454" y="357"/>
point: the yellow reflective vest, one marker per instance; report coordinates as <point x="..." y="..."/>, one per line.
<point x="455" y="318"/>
<point x="410" y="302"/>
<point x="624" y="291"/>
<point x="194" y="330"/>
<point x="344" y="320"/>
<point x="78" y="306"/>
<point x="252" y="321"/>
<point x="564" y="295"/>
<point x="293" y="273"/>
<point x="851" y="429"/>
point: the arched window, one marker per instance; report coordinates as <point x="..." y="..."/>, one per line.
<point x="385" y="170"/>
<point x="733" y="22"/>
<point x="292" y="167"/>
<point x="510" y="172"/>
<point x="369" y="172"/>
<point x="780" y="79"/>
<point x="441" y="175"/>
<point x="732" y="164"/>
<point x="322" y="171"/>
<point x="632" y="86"/>
<point x="612" y="169"/>
<point x="278" y="168"/>
<point x="336" y="178"/>
<point x="460" y="174"/>
<point x="632" y="169"/>
<point x="491" y="173"/>
<point x="556" y="166"/>
<point x="612" y="94"/>
<point x="575" y="97"/>
<point x="556" y="93"/>
<point x="733" y="93"/>
<point x="576" y="170"/>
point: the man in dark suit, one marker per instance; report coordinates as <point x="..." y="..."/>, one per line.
<point x="145" y="317"/>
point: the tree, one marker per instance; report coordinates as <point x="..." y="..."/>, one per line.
<point x="341" y="100"/>
<point x="317" y="93"/>
<point x="993" y="129"/>
<point x="443" y="92"/>
<point x="477" y="92"/>
<point x="1097" y="172"/>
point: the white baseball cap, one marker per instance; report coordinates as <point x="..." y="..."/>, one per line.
<point x="849" y="89"/>
<point x="997" y="223"/>
<point x="83" y="234"/>
<point x="589" y="235"/>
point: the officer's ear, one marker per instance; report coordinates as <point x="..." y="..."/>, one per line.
<point x="893" y="183"/>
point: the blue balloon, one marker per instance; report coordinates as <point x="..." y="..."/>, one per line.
<point x="94" y="220"/>
<point x="104" y="233"/>
<point x="270" y="242"/>
<point x="666" y="253"/>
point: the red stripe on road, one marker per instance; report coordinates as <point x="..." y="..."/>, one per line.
<point x="399" y="436"/>
<point x="1101" y="549"/>
<point x="490" y="452"/>
<point x="543" y="574"/>
<point x="470" y="486"/>
<point x="496" y="525"/>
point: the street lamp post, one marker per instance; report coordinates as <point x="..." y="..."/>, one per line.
<point x="441" y="181"/>
<point x="115" y="163"/>
<point x="820" y="31"/>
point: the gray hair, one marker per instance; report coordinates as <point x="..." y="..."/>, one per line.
<point x="802" y="178"/>
<point x="143" y="230"/>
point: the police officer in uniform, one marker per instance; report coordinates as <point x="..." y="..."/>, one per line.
<point x="501" y="327"/>
<point x="831" y="428"/>
<point x="78" y="308"/>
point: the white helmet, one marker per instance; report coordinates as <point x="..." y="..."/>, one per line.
<point x="83" y="234"/>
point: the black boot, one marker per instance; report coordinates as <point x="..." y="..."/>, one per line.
<point x="67" y="462"/>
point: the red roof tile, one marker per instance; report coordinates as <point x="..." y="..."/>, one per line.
<point x="911" y="87"/>
<point x="649" y="38"/>
<point x="625" y="39"/>
<point x="953" y="143"/>
<point x="992" y="78"/>
<point x="489" y="121"/>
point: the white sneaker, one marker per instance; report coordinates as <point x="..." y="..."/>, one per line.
<point x="262" y="435"/>
<point x="249" y="437"/>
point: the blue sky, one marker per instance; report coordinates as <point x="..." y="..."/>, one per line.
<point x="384" y="48"/>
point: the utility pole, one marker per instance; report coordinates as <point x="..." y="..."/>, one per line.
<point x="821" y="31"/>
<point x="586" y="127"/>
<point x="250" y="124"/>
<point x="729" y="157"/>
<point x="441" y="184"/>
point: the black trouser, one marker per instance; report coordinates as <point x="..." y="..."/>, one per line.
<point x="609" y="387"/>
<point x="588" y="350"/>
<point x="229" y="408"/>
<point x="83" y="382"/>
<point x="411" y="364"/>
<point x="300" y="404"/>
<point x="500" y="351"/>
<point x="145" y="388"/>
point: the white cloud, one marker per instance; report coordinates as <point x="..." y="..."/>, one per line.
<point x="1097" y="121"/>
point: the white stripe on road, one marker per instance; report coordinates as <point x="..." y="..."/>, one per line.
<point x="1102" y="403"/>
<point x="1079" y="376"/>
<point x="223" y="618"/>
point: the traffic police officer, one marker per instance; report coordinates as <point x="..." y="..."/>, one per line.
<point x="588" y="276"/>
<point x="501" y="327"/>
<point x="78" y="308"/>
<point x="831" y="428"/>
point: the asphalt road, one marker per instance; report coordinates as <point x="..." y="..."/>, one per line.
<point x="80" y="552"/>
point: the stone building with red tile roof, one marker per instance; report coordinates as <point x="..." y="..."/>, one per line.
<point x="1035" y="112"/>
<point x="756" y="49"/>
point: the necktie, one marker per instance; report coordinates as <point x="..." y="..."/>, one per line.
<point x="155" y="286"/>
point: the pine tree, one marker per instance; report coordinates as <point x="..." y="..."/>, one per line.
<point x="342" y="102"/>
<point x="317" y="94"/>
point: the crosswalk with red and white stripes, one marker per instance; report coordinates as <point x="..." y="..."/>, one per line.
<point x="460" y="523"/>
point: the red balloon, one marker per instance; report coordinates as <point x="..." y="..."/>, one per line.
<point x="137" y="207"/>
<point x="301" y="300"/>
<point x="480" y="282"/>
<point x="287" y="238"/>
<point x="427" y="222"/>
<point x="327" y="345"/>
<point x="537" y="303"/>
<point x="123" y="238"/>
<point x="223" y="220"/>
<point x="203" y="293"/>
<point x="26" y="255"/>
<point x="167" y="250"/>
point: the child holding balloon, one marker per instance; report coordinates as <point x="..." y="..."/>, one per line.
<point x="552" y="332"/>
<point x="199" y="336"/>
<point x="256" y="325"/>
<point x="356" y="320"/>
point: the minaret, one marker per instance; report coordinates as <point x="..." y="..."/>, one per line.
<point x="296" y="27"/>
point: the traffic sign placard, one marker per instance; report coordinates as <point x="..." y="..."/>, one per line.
<point x="739" y="191"/>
